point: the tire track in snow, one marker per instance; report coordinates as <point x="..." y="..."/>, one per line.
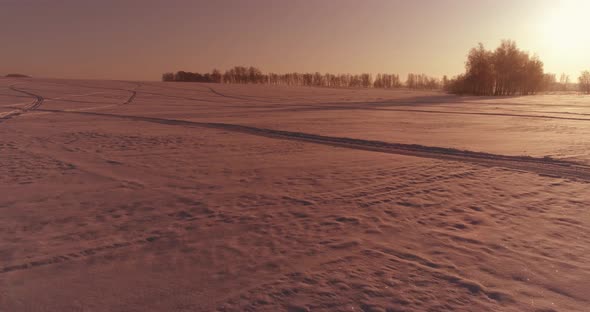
<point x="542" y="166"/>
<point x="34" y="105"/>
<point x="76" y="255"/>
<point x="129" y="99"/>
<point x="481" y="114"/>
<point x="372" y="107"/>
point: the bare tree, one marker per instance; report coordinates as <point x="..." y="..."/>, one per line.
<point x="168" y="77"/>
<point x="584" y="81"/>
<point x="549" y="82"/>
<point x="480" y="72"/>
<point x="564" y="80"/>
<point x="216" y="76"/>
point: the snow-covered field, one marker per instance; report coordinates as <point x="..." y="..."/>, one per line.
<point x="127" y="196"/>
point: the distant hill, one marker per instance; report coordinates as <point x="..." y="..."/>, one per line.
<point x="17" y="76"/>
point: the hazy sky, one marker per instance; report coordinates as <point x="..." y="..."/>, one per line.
<point x="141" y="39"/>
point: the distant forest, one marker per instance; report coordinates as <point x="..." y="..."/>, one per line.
<point x="253" y="75"/>
<point x="504" y="71"/>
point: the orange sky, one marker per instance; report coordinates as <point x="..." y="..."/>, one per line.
<point x="139" y="40"/>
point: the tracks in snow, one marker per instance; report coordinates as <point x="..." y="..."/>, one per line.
<point x="34" y="105"/>
<point x="542" y="166"/>
<point x="128" y="101"/>
<point x="39" y="100"/>
<point x="482" y="114"/>
<point x="132" y="96"/>
<point x="76" y="255"/>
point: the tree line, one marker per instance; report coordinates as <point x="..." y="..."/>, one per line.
<point x="213" y="77"/>
<point x="253" y="75"/>
<point x="16" y="76"/>
<point x="507" y="70"/>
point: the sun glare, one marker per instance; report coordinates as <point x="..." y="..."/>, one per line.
<point x="564" y="25"/>
<point x="560" y="35"/>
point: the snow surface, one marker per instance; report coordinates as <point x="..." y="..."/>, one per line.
<point x="148" y="196"/>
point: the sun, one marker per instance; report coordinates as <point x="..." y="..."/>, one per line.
<point x="559" y="35"/>
<point x="565" y="23"/>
